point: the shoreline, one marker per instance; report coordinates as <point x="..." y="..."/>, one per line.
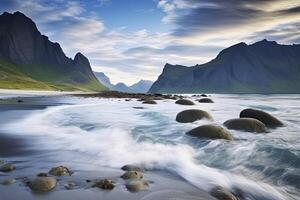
<point x="16" y="149"/>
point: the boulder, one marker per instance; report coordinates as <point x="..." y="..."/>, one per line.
<point x="132" y="175"/>
<point x="60" y="171"/>
<point x="104" y="184"/>
<point x="137" y="185"/>
<point x="266" y="118"/>
<point x="205" y="100"/>
<point x="42" y="184"/>
<point x="192" y="115"/>
<point x="222" y="194"/>
<point x="246" y="124"/>
<point x="211" y="132"/>
<point x="7" y="168"/>
<point x="149" y="102"/>
<point x="203" y="95"/>
<point x="185" y="102"/>
<point x="131" y="168"/>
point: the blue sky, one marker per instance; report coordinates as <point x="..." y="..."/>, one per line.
<point x="131" y="40"/>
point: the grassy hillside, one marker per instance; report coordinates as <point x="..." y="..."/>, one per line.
<point x="33" y="77"/>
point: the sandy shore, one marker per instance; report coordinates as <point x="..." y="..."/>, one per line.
<point x="29" y="162"/>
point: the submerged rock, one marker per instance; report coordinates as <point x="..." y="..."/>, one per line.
<point x="266" y="118"/>
<point x="60" y="171"/>
<point x="7" y="167"/>
<point x="131" y="168"/>
<point x="192" y="115"/>
<point x="104" y="184"/>
<point x="184" y="102"/>
<point x="246" y="124"/>
<point x="70" y="185"/>
<point x="211" y="132"/>
<point x="137" y="185"/>
<point x="222" y="194"/>
<point x="132" y="175"/>
<point x="42" y="174"/>
<point x="138" y="107"/>
<point x="149" y="102"/>
<point x="8" y="181"/>
<point x="205" y="100"/>
<point x="42" y="184"/>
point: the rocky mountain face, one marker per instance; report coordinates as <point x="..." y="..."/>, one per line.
<point x="142" y="86"/>
<point x="262" y="67"/>
<point x="34" y="54"/>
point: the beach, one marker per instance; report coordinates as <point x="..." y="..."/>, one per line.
<point x="95" y="137"/>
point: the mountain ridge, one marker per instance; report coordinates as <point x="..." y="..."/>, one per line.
<point x="262" y="67"/>
<point x="34" y="56"/>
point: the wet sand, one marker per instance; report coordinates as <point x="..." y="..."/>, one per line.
<point x="30" y="161"/>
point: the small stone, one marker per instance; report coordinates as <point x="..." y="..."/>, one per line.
<point x="43" y="174"/>
<point x="7" y="168"/>
<point x="60" y="171"/>
<point x="132" y="175"/>
<point x="70" y="185"/>
<point x="222" y="194"/>
<point x="131" y="168"/>
<point x="42" y="184"/>
<point x="137" y="185"/>
<point x="104" y="184"/>
<point x="149" y="102"/>
<point x="8" y="181"/>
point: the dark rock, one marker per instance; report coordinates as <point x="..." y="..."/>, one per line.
<point x="7" y="168"/>
<point x="104" y="184"/>
<point x="42" y="184"/>
<point x="138" y="107"/>
<point x="60" y="171"/>
<point x="205" y="100"/>
<point x="20" y="101"/>
<point x="211" y="132"/>
<point x="184" y="102"/>
<point x="132" y="175"/>
<point x="266" y="118"/>
<point x="246" y="124"/>
<point x="42" y="174"/>
<point x="131" y="168"/>
<point x="222" y="194"/>
<point x="149" y="102"/>
<point x="192" y="115"/>
<point x="137" y="185"/>
<point x="203" y="95"/>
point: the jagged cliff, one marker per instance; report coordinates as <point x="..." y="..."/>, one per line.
<point x="25" y="52"/>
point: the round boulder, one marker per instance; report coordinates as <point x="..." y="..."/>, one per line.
<point x="205" y="100"/>
<point x="43" y="184"/>
<point x="184" y="102"/>
<point x="266" y="118"/>
<point x="132" y="175"/>
<point x="137" y="185"/>
<point x="7" y="168"/>
<point x="60" y="171"/>
<point x="211" y="132"/>
<point x="222" y="194"/>
<point x="131" y="168"/>
<point x="149" y="102"/>
<point x="246" y="124"/>
<point x="192" y="115"/>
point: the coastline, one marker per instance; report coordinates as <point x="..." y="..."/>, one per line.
<point x="18" y="151"/>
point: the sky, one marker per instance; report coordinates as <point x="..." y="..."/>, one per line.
<point x="130" y="40"/>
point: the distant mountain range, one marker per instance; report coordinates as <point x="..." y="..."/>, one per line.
<point x="28" y="60"/>
<point x="262" y="67"/>
<point x="142" y="86"/>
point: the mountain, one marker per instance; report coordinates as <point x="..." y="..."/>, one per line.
<point x="104" y="79"/>
<point x="262" y="67"/>
<point x="29" y="60"/>
<point x="140" y="87"/>
<point x="122" y="87"/>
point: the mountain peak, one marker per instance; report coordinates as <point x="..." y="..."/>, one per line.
<point x="265" y="42"/>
